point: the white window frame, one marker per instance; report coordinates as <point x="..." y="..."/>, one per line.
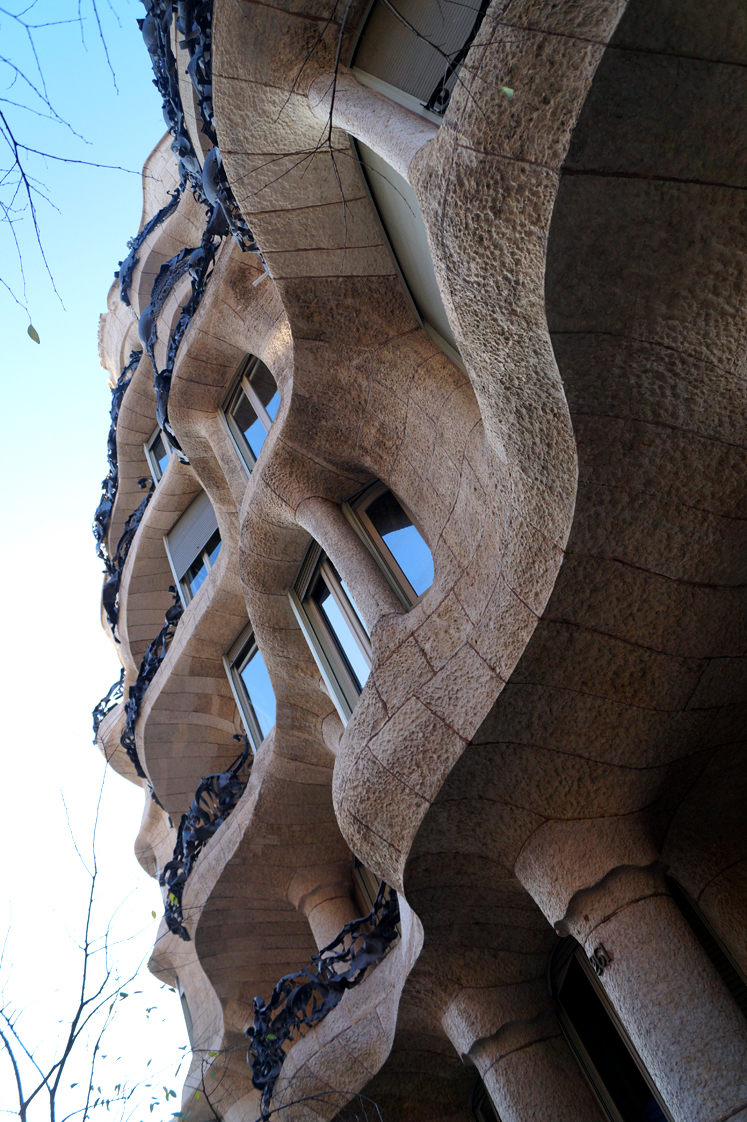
<point x="243" y="384"/>
<point x="238" y="687"/>
<point x="355" y="510"/>
<point x="185" y="593"/>
<point x="324" y="645"/>
<point x="155" y="468"/>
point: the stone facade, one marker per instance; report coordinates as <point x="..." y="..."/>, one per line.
<point x="550" y="744"/>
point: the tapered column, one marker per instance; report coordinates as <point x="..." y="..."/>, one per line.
<point x="679" y="1015"/>
<point x="393" y="132"/>
<point x="323" y="895"/>
<point x="513" y="1036"/>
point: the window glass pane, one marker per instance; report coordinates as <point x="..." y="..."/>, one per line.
<point x="160" y="454"/>
<point x="264" y="386"/>
<point x="255" y="437"/>
<point x="272" y="405"/>
<point x="213" y="548"/>
<point x="242" y="411"/>
<point x="622" y="1079"/>
<point x="195" y="575"/>
<point x="405" y="543"/>
<point x="261" y="694"/>
<point x="338" y="627"/>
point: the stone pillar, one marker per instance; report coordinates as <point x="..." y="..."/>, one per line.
<point x="393" y="132"/>
<point x="323" y="895"/>
<point x="513" y="1036"/>
<point x="676" y="1010"/>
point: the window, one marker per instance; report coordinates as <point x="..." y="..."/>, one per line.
<point x="614" y="1069"/>
<point x="157" y="453"/>
<point x="187" y="1014"/>
<point x="324" y="607"/>
<point x="721" y="960"/>
<point x="333" y="628"/>
<point x="192" y="546"/>
<point x="402" y="221"/>
<point x="392" y="536"/>
<point x="417" y="65"/>
<point x="481" y="1107"/>
<point x="365" y="887"/>
<point x="251" y="409"/>
<point x="251" y="687"/>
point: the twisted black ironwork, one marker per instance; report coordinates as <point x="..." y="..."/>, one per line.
<point x="209" y="184"/>
<point x="115" y="565"/>
<point x="127" y="267"/>
<point x="111" y="698"/>
<point x="152" y="659"/>
<point x="103" y="514"/>
<point x="195" y="24"/>
<point x="214" y="800"/>
<point x="439" y="100"/>
<point x="199" y="263"/>
<point x="302" y="999"/>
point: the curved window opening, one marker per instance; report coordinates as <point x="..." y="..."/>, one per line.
<point x="252" y="688"/>
<point x="481" y="1107"/>
<point x="158" y="452"/>
<point x="323" y="604"/>
<point x="392" y="535"/>
<point x="192" y="547"/>
<point x="606" y="1054"/>
<point x="721" y="960"/>
<point x="412" y="50"/>
<point x="403" y="226"/>
<point x="251" y="408"/>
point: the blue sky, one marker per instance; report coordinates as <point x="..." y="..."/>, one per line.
<point x="56" y="662"/>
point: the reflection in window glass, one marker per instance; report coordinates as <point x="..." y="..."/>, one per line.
<point x="340" y="628"/>
<point x="160" y="453"/>
<point x="195" y="576"/>
<point x="403" y="540"/>
<point x="197" y="572"/>
<point x="259" y="688"/>
<point x="252" y="408"/>
<point x="213" y="548"/>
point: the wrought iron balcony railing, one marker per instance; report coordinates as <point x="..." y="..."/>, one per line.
<point x="214" y="800"/>
<point x="301" y="1000"/>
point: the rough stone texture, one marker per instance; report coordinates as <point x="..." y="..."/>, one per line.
<point x="561" y="716"/>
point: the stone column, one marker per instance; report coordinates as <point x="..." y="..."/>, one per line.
<point x="393" y="132"/>
<point x="513" y="1036"/>
<point x="676" y="1010"/>
<point x="323" y="895"/>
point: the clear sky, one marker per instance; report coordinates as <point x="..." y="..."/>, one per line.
<point x="56" y="662"/>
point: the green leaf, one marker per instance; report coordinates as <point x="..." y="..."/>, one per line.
<point x="213" y="1053"/>
<point x="507" y="92"/>
<point x="197" y="1095"/>
<point x="73" y="1084"/>
<point x="153" y="914"/>
<point x="33" y="333"/>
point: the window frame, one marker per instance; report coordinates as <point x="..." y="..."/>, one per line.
<point x="355" y="510"/>
<point x="153" y="464"/>
<point x="185" y="591"/>
<point x="242" y="384"/>
<point x="566" y="949"/>
<point x="324" y="645"/>
<point x="243" y="700"/>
